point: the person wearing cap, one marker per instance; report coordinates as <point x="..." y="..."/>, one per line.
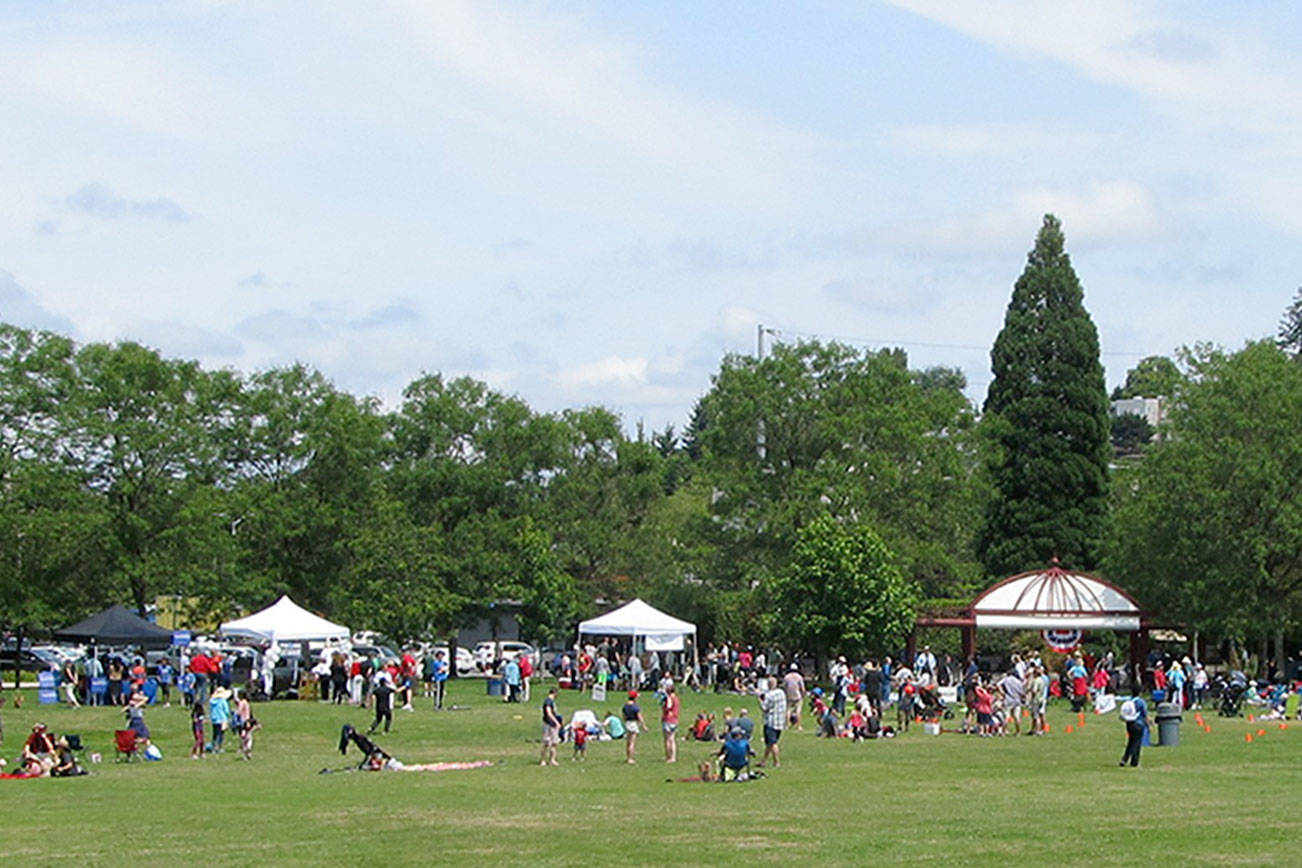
<point x="633" y="724"/>
<point x="793" y="686"/>
<point x="39" y="744"/>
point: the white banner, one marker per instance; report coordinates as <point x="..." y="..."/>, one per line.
<point x="672" y="642"/>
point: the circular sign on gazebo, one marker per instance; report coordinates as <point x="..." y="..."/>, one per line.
<point x="1062" y="641"/>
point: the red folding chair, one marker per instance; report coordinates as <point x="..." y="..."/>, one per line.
<point x="126" y="744"/>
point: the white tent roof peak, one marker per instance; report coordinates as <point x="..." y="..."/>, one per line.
<point x="284" y="621"/>
<point x="636" y="619"/>
<point x="1056" y="598"/>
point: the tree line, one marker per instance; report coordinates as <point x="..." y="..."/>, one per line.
<point x="815" y="497"/>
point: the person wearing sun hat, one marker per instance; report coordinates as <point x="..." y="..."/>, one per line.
<point x="219" y="712"/>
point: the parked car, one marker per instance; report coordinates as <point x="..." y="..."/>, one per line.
<point x="66" y="653"/>
<point x="30" y="659"/>
<point x="509" y="650"/>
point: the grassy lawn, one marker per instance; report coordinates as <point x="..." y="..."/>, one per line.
<point x="914" y="799"/>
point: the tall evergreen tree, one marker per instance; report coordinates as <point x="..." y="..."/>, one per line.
<point x="1047" y="416"/>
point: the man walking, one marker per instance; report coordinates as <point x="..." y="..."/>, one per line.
<point x="793" y="685"/>
<point x="774" y="705"/>
<point x="551" y="729"/>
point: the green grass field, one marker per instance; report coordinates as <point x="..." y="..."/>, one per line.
<point x="914" y="799"/>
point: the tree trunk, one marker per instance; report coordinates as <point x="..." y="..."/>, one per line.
<point x="18" y="659"/>
<point x="1279" y="654"/>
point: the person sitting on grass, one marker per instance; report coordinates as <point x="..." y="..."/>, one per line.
<point x="745" y="723"/>
<point x="735" y="755"/>
<point x="827" y="722"/>
<point x="39" y="745"/>
<point x="857" y="726"/>
<point x="703" y="729"/>
<point x="65" y="761"/>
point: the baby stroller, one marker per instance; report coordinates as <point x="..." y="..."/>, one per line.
<point x="931" y="706"/>
<point x="1230" y="703"/>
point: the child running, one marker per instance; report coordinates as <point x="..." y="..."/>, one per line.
<point x="197" y="724"/>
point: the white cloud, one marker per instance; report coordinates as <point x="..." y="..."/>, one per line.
<point x="882" y="295"/>
<point x="137" y="86"/>
<point x="1135" y="46"/>
<point x="612" y="370"/>
<point x="737" y="323"/>
<point x="1112" y="211"/>
<point x="554" y="69"/>
<point x="620" y="380"/>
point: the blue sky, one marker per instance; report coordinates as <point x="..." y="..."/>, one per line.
<point x="591" y="204"/>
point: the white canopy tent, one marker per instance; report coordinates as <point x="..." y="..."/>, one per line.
<point x="637" y="619"/>
<point x="284" y="621"/>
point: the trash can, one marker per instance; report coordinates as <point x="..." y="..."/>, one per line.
<point x="496" y="687"/>
<point x="1168" y="723"/>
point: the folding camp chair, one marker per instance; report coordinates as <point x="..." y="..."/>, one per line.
<point x="1291" y="706"/>
<point x="126" y="744"/>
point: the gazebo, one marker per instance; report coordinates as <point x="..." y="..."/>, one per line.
<point x="1053" y="599"/>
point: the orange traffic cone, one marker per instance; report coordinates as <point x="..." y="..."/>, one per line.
<point x="1069" y="729"/>
<point x="1046" y="726"/>
<point x="1283" y="726"/>
<point x="1207" y="729"/>
<point x="1247" y="736"/>
<point x="1261" y="732"/>
<point x="1250" y="717"/>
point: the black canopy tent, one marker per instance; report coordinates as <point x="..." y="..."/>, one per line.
<point x="116" y="626"/>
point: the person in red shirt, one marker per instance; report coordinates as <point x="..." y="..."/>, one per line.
<point x="408" y="681"/>
<point x="200" y="667"/>
<point x="984" y="709"/>
<point x="669" y="708"/>
<point x="526" y="672"/>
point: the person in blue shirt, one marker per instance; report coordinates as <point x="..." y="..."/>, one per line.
<point x="511" y="674"/>
<point x="1134" y="713"/>
<point x="165" y="682"/>
<point x="440" y="679"/>
<point x="736" y="754"/>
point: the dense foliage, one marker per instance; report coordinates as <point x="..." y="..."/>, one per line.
<point x="813" y="497"/>
<point x="1047" y="418"/>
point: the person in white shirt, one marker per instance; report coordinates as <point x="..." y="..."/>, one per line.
<point x="774" y="705"/>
